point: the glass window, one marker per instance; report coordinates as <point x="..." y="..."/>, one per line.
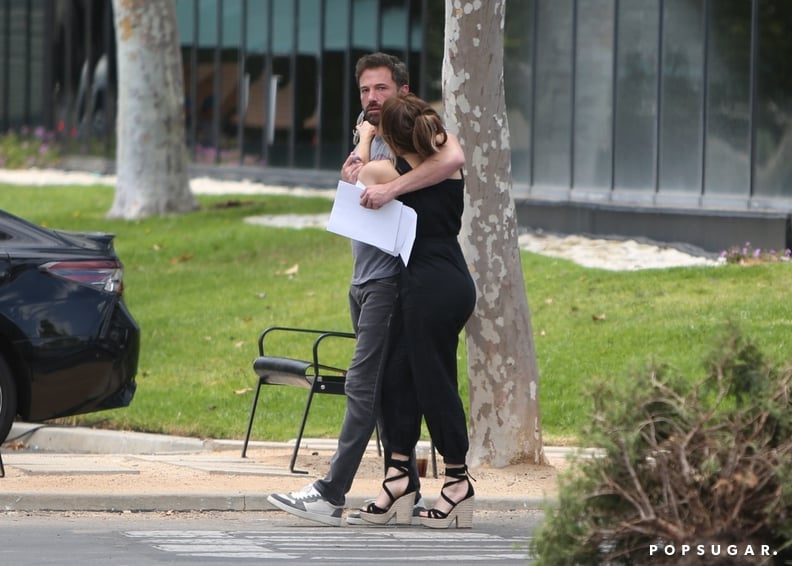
<point x="257" y="25"/>
<point x="517" y="82"/>
<point x="553" y="93"/>
<point x="37" y="91"/>
<point x="636" y="95"/>
<point x="336" y="24"/>
<point x="207" y="23"/>
<point x="394" y="27"/>
<point x="428" y="80"/>
<point x="17" y="58"/>
<point x="335" y="69"/>
<point x="184" y="20"/>
<point x="727" y="157"/>
<point x="594" y="95"/>
<point x="308" y="41"/>
<point x="232" y="23"/>
<point x="681" y="110"/>
<point x="364" y="24"/>
<point x="283" y="28"/>
<point x="774" y="103"/>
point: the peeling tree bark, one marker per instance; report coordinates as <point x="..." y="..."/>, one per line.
<point x="504" y="379"/>
<point x="151" y="157"/>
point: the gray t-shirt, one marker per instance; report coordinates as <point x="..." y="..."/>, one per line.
<point x="369" y="262"/>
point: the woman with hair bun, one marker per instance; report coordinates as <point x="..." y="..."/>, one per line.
<point x="437" y="297"/>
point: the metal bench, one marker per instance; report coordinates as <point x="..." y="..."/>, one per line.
<point x="312" y="375"/>
<point x="316" y="377"/>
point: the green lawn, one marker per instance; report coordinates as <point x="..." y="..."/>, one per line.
<point x="203" y="285"/>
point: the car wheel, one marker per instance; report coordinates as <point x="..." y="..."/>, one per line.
<point x="8" y="400"/>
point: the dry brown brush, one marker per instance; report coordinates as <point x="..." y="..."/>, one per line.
<point x="690" y="472"/>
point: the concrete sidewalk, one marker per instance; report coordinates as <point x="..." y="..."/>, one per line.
<point x="59" y="468"/>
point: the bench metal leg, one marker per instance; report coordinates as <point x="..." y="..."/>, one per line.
<point x="250" y="421"/>
<point x="379" y="440"/>
<point x="300" y="434"/>
<point x="308" y="402"/>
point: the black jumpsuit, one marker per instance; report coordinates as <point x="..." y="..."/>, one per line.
<point x="437" y="297"/>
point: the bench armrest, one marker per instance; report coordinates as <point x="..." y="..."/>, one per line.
<point x="321" y="336"/>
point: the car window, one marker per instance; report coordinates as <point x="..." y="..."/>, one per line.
<point x="21" y="231"/>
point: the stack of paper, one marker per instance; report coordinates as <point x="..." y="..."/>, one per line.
<point x="390" y="228"/>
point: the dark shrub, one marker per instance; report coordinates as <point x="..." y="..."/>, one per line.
<point x="688" y="468"/>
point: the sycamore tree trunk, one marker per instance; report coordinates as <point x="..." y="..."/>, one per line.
<point x="504" y="380"/>
<point x="151" y="158"/>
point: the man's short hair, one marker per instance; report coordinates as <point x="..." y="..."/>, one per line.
<point x="399" y="72"/>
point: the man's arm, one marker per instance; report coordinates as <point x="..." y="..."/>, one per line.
<point x="441" y="165"/>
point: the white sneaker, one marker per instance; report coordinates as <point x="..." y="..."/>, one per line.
<point x="308" y="504"/>
<point x="354" y="518"/>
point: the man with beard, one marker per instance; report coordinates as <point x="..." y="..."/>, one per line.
<point x="373" y="296"/>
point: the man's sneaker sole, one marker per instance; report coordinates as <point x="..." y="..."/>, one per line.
<point x="330" y="520"/>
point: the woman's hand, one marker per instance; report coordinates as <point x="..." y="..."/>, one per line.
<point x="366" y="131"/>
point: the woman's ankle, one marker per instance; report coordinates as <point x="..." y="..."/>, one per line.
<point x="396" y="468"/>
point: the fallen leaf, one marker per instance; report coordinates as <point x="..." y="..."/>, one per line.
<point x="181" y="258"/>
<point x="14" y="445"/>
<point x="243" y="391"/>
<point x="239" y="344"/>
<point x="291" y="271"/>
<point x="599" y="317"/>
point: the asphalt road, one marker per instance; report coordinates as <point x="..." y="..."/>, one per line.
<point x="228" y="538"/>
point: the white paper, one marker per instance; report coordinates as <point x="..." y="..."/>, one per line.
<point x="390" y="228"/>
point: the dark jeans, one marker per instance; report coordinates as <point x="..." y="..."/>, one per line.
<point x="372" y="306"/>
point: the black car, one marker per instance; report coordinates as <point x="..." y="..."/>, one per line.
<point x="68" y="344"/>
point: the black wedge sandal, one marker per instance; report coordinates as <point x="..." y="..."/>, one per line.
<point x="461" y="511"/>
<point x="400" y="507"/>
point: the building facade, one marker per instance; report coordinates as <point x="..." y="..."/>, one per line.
<point x="668" y="119"/>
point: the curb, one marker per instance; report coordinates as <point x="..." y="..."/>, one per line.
<point x="198" y="502"/>
<point x="46" y="440"/>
